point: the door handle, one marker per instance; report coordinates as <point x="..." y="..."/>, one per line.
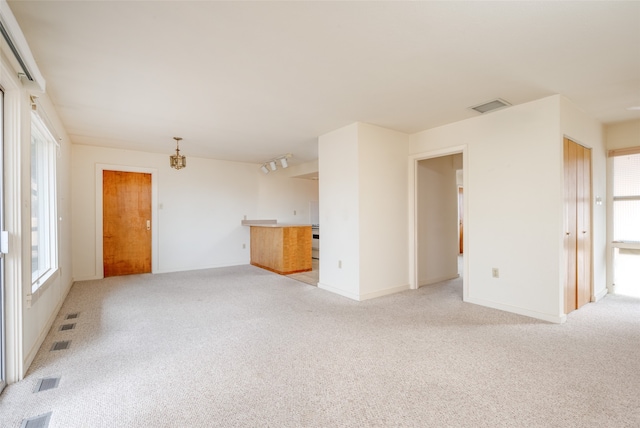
<point x="148" y="224"/>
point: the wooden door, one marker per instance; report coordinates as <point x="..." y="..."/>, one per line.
<point x="583" y="226"/>
<point x="126" y="208"/>
<point x="577" y="238"/>
<point x="570" y="238"/>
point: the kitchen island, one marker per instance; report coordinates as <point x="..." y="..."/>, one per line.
<point x="281" y="248"/>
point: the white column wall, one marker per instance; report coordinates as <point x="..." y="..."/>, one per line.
<point x="363" y="211"/>
<point x="383" y="199"/>
<point x="339" y="212"/>
<point x="514" y="195"/>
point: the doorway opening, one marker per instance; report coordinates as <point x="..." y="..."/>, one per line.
<point x="437" y="212"/>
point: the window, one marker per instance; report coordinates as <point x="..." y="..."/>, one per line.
<point x="44" y="254"/>
<point x="626" y="198"/>
<point x="626" y="221"/>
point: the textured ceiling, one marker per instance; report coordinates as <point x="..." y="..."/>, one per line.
<point x="248" y="81"/>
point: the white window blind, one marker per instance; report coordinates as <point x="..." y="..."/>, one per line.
<point x="626" y="197"/>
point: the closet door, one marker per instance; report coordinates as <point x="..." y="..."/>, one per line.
<point x="577" y="238"/>
<point x="583" y="226"/>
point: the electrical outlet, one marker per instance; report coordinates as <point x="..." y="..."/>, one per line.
<point x="495" y="273"/>
<point x="245" y="216"/>
<point x="294" y="212"/>
<point x="244" y="246"/>
<point x="339" y="264"/>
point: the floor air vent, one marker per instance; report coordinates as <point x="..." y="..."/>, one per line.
<point x="65" y="327"/>
<point x="47" y="383"/>
<point x="72" y="316"/>
<point x="59" y="346"/>
<point x="41" y="421"/>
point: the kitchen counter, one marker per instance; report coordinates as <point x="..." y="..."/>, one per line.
<point x="281" y="248"/>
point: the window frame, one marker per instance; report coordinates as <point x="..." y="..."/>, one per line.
<point x="47" y="202"/>
<point x="631" y="151"/>
<point x="614" y="246"/>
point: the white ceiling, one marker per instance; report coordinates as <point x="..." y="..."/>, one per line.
<point x="248" y="81"/>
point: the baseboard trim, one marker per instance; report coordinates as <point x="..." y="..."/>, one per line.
<point x="432" y="281"/>
<point x="216" y="266"/>
<point x="31" y="355"/>
<point x="385" y="292"/>
<point x="601" y="294"/>
<point x="365" y="296"/>
<point x="338" y="291"/>
<point x="87" y="278"/>
<point x="556" y="319"/>
<point x="185" y="269"/>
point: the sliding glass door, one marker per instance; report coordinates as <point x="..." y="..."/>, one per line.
<point x="3" y="377"/>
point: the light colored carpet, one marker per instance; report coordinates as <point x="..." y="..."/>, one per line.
<point x="242" y="347"/>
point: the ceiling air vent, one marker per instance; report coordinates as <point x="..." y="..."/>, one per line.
<point x="490" y="106"/>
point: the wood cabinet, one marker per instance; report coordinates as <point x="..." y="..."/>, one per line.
<point x="283" y="249"/>
<point x="577" y="234"/>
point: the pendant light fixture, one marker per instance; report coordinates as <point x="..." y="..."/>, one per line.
<point x="177" y="161"/>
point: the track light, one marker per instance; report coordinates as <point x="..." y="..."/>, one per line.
<point x="272" y="165"/>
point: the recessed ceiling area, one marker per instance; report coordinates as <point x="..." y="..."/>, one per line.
<point x="246" y="81"/>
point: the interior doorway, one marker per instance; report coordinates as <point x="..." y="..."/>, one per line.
<point x="437" y="208"/>
<point x="460" y="217"/>
<point x="126" y="223"/>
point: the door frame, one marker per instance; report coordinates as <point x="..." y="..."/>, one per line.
<point x="413" y="212"/>
<point x="3" y="373"/>
<point x="99" y="216"/>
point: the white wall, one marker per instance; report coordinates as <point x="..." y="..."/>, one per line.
<point x="339" y="211"/>
<point x="622" y="134"/>
<point x="363" y="211"/>
<point x="437" y="219"/>
<point x="45" y="304"/>
<point x="514" y="195"/>
<point x="29" y="317"/>
<point x="199" y="208"/>
<point x="383" y="199"/>
<point x="286" y="199"/>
